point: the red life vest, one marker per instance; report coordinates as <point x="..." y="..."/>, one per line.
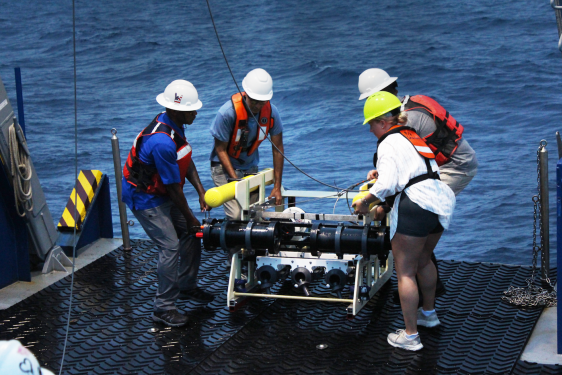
<point x="239" y="139"/>
<point x="421" y="147"/>
<point x="444" y="141"/>
<point x="145" y="177"/>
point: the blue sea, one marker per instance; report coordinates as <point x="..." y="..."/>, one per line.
<point x="494" y="65"/>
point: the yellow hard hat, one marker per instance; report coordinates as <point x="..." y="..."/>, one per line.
<point x="378" y="104"/>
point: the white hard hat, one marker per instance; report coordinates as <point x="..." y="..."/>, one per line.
<point x="373" y="80"/>
<point x="180" y="95"/>
<point x="16" y="359"/>
<point x="258" y="85"/>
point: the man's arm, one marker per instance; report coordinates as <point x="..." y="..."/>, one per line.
<point x="175" y="193"/>
<point x="164" y="154"/>
<point x="221" y="149"/>
<point x="193" y="178"/>
<point x="278" y="160"/>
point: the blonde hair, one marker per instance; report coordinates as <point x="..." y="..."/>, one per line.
<point x="399" y="119"/>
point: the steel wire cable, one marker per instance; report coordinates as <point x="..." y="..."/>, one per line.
<point x="253" y="116"/>
<point x="75" y="190"/>
<point x="335" y="195"/>
<point x="340" y="191"/>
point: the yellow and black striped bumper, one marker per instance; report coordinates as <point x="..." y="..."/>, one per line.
<point x="84" y="192"/>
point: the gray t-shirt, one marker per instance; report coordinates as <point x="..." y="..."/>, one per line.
<point x="463" y="160"/>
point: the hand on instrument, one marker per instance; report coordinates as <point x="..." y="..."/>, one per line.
<point x="276" y="192"/>
<point x="360" y="207"/>
<point x="193" y="226"/>
<point x="204" y="206"/>
<point x="372" y="174"/>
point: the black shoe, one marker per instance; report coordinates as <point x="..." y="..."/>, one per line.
<point x="171" y="318"/>
<point x="197" y="294"/>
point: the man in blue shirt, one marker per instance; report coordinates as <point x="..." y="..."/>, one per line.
<point x="238" y="136"/>
<point x="153" y="178"/>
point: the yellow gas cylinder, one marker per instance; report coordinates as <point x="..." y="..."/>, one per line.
<point x="219" y="195"/>
<point x="364" y="190"/>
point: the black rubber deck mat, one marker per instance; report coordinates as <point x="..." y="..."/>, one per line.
<point x="526" y="368"/>
<point x="113" y="303"/>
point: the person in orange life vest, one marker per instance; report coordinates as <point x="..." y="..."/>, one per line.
<point x="153" y="177"/>
<point x="422" y="207"/>
<point x="238" y="136"/>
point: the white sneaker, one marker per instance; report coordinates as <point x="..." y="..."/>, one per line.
<point x="399" y="340"/>
<point x="428" y="321"/>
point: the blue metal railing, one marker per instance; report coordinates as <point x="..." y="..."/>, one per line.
<point x="19" y="93"/>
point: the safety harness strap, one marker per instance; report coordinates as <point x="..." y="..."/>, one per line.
<point x="430" y="174"/>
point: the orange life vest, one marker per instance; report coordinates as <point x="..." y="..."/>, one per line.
<point x="145" y="177"/>
<point x="239" y="139"/>
<point x="445" y="139"/>
<point x="421" y="147"/>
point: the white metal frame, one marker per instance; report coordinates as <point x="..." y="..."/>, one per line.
<point x="375" y="273"/>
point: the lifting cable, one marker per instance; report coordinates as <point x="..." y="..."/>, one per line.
<point x="254" y="117"/>
<point x="340" y="191"/>
<point x="75" y="190"/>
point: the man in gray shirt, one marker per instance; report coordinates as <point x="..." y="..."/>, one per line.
<point x="462" y="167"/>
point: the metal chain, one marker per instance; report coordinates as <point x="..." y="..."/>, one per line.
<point x="533" y="296"/>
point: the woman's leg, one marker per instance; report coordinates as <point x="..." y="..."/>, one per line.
<point x="427" y="273"/>
<point x="407" y="251"/>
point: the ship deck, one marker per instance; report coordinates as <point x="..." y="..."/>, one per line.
<point x="110" y="328"/>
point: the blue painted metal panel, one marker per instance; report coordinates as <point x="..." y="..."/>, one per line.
<point x="14" y="253"/>
<point x="97" y="224"/>
<point x="559" y="249"/>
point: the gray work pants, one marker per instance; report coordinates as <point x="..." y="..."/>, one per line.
<point x="457" y="181"/>
<point x="231" y="208"/>
<point x="179" y="253"/>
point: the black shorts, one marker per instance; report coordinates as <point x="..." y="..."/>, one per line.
<point x="415" y="221"/>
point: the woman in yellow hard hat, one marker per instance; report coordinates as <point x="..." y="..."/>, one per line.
<point x="422" y="207"/>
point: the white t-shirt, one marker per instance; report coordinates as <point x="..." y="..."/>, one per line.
<point x="398" y="162"/>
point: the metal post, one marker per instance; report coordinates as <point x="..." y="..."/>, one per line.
<point x="559" y="144"/>
<point x="559" y="249"/>
<point x="545" y="232"/>
<point x="118" y="178"/>
<point x="19" y="94"/>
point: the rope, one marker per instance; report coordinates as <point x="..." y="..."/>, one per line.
<point x="254" y="117"/>
<point x="21" y="173"/>
<point x="75" y="190"/>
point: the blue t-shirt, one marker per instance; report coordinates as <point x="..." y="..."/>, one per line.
<point x="222" y="129"/>
<point x="157" y="150"/>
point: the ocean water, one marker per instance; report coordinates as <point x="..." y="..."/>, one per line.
<point x="494" y="65"/>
